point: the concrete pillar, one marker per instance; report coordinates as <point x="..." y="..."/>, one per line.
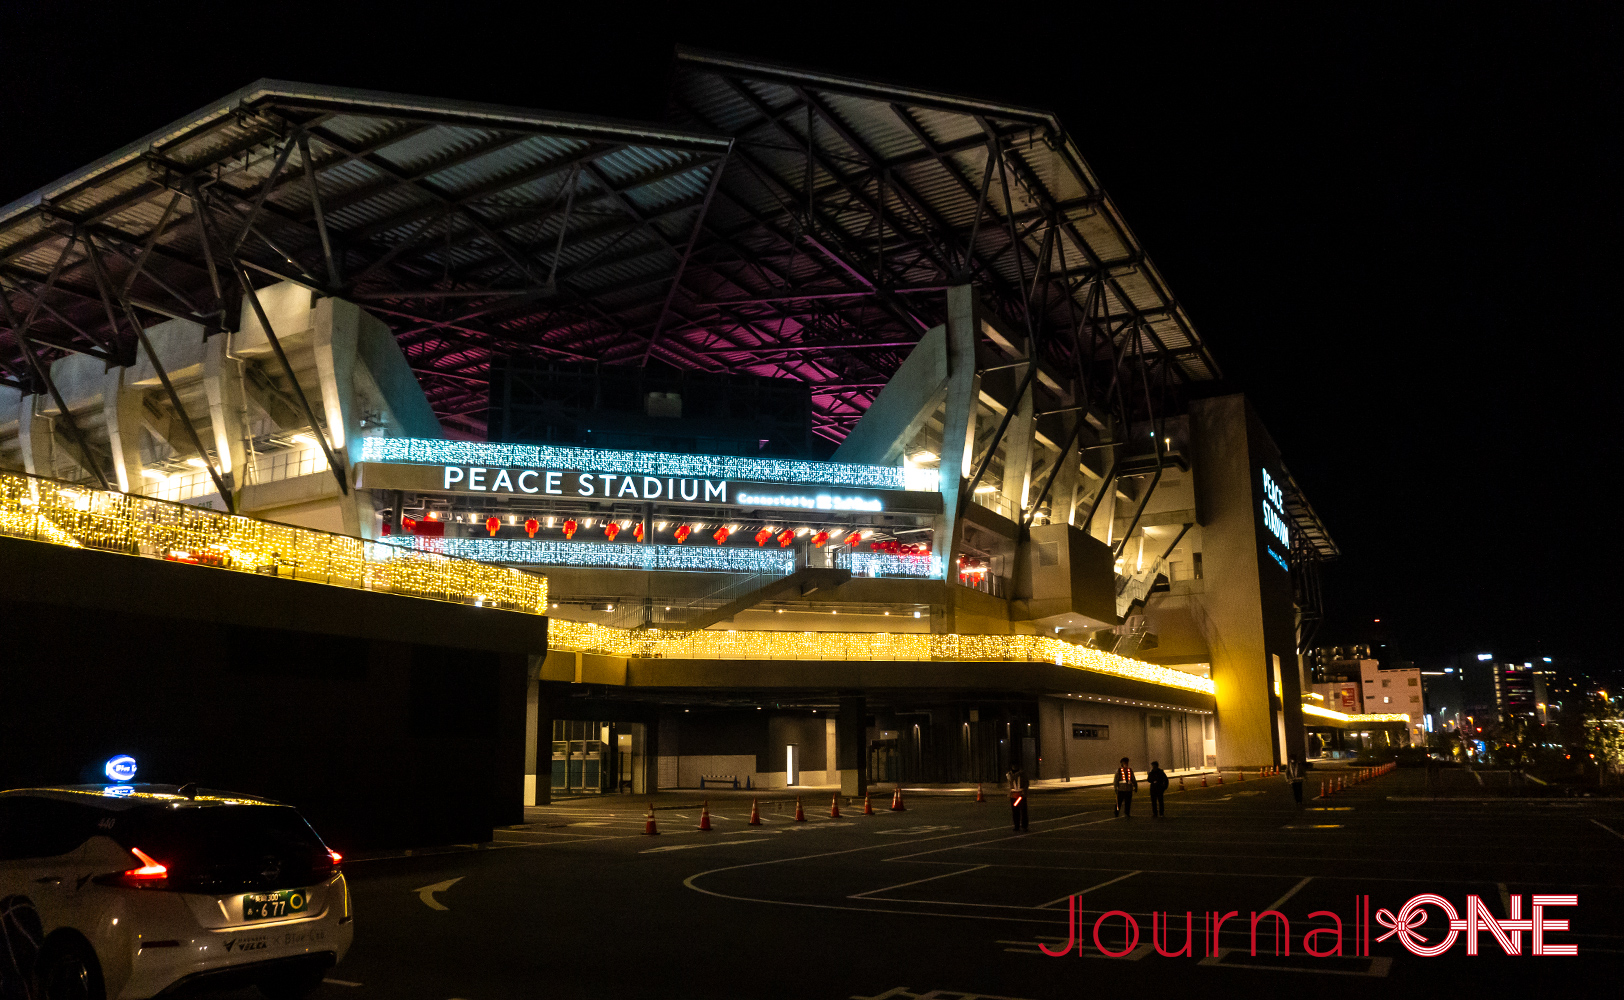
<point x="539" y="752"/>
<point x="958" y="425"/>
<point x="1103" y="524"/>
<point x="1063" y="494"/>
<point x="333" y="338"/>
<point x="1018" y="441"/>
<point x="648" y="765"/>
<point x="34" y="435"/>
<point x="228" y="411"/>
<point x="121" y="412"/>
<point x="851" y="745"/>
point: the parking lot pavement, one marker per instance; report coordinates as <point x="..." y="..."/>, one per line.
<point x="945" y="897"/>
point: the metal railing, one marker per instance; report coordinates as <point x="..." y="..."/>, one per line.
<point x="59" y="513"/>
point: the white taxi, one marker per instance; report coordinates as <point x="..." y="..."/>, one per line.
<point x="130" y="891"/>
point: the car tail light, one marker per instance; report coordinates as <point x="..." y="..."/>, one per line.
<point x="149" y="869"/>
<point x="337" y="857"/>
<point x="152" y="874"/>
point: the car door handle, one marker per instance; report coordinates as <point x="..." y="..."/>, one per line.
<point x="49" y="880"/>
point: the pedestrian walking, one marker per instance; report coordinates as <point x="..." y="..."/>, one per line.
<point x="1018" y="785"/>
<point x="1294" y="774"/>
<point x="1125" y="784"/>
<point x="1158" y="788"/>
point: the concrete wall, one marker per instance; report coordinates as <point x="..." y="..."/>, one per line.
<point x="1133" y="733"/>
<point x="390" y="721"/>
<point x="1246" y="607"/>
<point x="745" y="742"/>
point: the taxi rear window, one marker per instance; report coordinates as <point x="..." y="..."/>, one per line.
<point x="213" y="835"/>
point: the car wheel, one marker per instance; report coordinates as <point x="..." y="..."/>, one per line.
<point x="68" y="970"/>
<point x="291" y="985"/>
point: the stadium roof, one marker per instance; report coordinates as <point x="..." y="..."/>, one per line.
<point x="786" y="223"/>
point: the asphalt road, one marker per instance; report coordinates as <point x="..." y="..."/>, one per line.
<point x="942" y="900"/>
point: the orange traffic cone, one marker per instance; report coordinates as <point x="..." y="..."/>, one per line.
<point x="648" y="824"/>
<point x="868" y="806"/>
<point x="834" y="807"/>
<point x="1241" y="776"/>
<point x="755" y="814"/>
<point x="979" y="796"/>
<point x="704" y="816"/>
<point x="1181" y="782"/>
<point x="1203" y="781"/>
<point x="800" y="817"/>
<point x="896" y="800"/>
<point x="1220" y="777"/>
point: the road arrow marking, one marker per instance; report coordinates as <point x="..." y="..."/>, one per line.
<point x="426" y="894"/>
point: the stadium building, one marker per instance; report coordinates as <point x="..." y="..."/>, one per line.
<point x="856" y="436"/>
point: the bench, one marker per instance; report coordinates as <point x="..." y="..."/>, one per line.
<point x="719" y="779"/>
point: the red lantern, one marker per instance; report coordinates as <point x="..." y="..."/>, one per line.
<point x="530" y="526"/>
<point x="611" y="529"/>
<point x="819" y="538"/>
<point x="721" y="535"/>
<point x="682" y="533"/>
<point x="786" y="538"/>
<point x="569" y="528"/>
<point x="637" y="532"/>
<point x="492" y="523"/>
<point x="763" y="536"/>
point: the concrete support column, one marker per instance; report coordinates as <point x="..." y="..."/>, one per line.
<point x="333" y="339"/>
<point x="958" y="425"/>
<point x="648" y="765"/>
<point x="228" y="411"/>
<point x="851" y="745"/>
<point x="1102" y="525"/>
<point x="121" y="412"/>
<point x="1018" y="441"/>
<point x="539" y="751"/>
<point x="34" y="432"/>
<point x="1063" y="494"/>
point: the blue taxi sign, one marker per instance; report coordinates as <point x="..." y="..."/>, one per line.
<point x="121" y="768"/>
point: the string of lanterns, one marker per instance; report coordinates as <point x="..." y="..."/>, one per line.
<point x="681" y="533"/>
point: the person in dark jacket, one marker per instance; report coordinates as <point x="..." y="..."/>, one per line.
<point x="1295" y="772"/>
<point x="1018" y="785"/>
<point x="1125" y="784"/>
<point x="1158" y="788"/>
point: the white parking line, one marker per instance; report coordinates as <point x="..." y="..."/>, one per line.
<point x="1609" y="829"/>
<point x="1294" y="890"/>
<point x="904" y="885"/>
<point x="690" y="847"/>
<point x="1091" y="888"/>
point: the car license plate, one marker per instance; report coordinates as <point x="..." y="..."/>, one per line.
<point x="272" y="905"/>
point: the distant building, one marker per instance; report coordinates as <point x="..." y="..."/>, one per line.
<point x="1394" y="691"/>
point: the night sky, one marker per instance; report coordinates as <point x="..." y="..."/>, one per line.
<point x="1399" y="234"/>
